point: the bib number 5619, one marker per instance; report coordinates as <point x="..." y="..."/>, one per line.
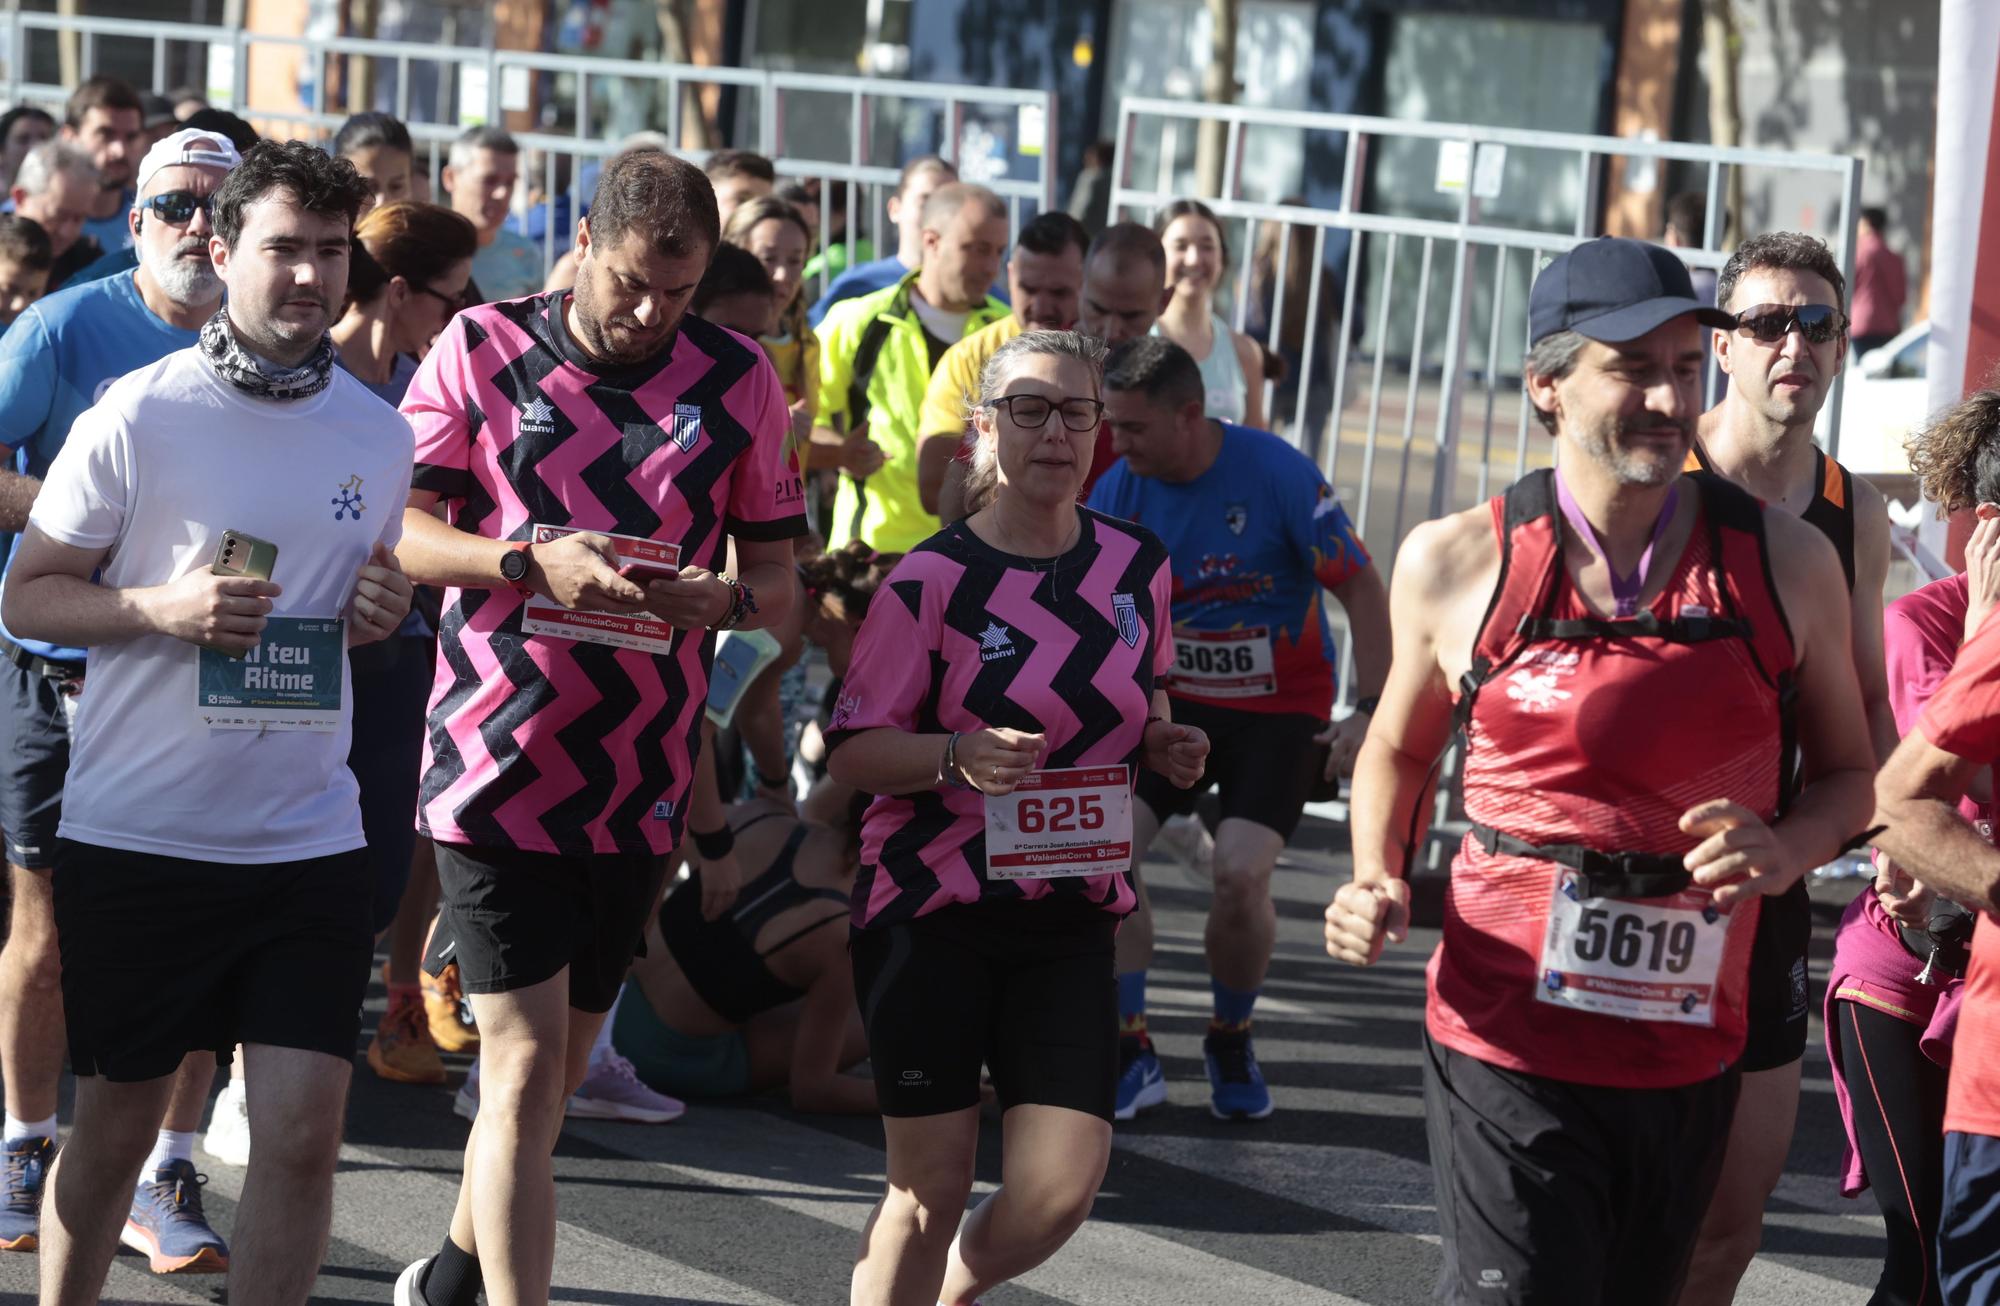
<point x="1061" y="814"/>
<point x="1623" y="940"/>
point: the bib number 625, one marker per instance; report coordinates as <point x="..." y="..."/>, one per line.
<point x="1061" y="814"/>
<point x="1603" y="934"/>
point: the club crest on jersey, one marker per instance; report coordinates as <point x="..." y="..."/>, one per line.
<point x="995" y="643"/>
<point x="1126" y="613"/>
<point x="347" y="499"/>
<point x="1236" y="517"/>
<point x="687" y="425"/>
<point x="538" y="417"/>
<point x="663" y="810"/>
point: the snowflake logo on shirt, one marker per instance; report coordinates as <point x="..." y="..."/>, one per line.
<point x="1536" y="691"/>
<point x="995" y="643"/>
<point x="538" y="416"/>
<point x="347" y="499"/>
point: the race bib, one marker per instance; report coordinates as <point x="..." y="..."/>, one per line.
<point x="1223" y="663"/>
<point x="740" y="656"/>
<point x="1651" y="959"/>
<point x="290" y="681"/>
<point x="1057" y="823"/>
<point x="640" y="559"/>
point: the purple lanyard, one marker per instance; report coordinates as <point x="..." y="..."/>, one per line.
<point x="1625" y="590"/>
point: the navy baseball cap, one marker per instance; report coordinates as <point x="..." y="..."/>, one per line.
<point x="1612" y="290"/>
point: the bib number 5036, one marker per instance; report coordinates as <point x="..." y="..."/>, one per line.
<point x="1212" y="660"/>
<point x="1061" y="814"/>
<point x="1625" y="941"/>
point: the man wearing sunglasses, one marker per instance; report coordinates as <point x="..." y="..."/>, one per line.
<point x="55" y="361"/>
<point x="1787" y="295"/>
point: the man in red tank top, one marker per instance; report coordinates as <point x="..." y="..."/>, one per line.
<point x="1587" y="1005"/>
<point x="1784" y="290"/>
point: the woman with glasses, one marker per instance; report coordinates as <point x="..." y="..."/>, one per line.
<point x="1001" y="696"/>
<point x="406" y="277"/>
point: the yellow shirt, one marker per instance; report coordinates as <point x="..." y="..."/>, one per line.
<point x="955" y="383"/>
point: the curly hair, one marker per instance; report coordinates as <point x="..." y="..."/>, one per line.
<point x="316" y="181"/>
<point x="847" y="578"/>
<point x="1956" y="455"/>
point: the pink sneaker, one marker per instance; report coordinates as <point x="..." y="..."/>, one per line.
<point x="612" y="1091"/>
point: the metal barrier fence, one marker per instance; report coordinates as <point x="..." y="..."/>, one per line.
<point x="850" y="134"/>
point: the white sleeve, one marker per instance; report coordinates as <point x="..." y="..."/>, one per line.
<point x="84" y="498"/>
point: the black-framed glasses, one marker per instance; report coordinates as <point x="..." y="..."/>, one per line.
<point x="1769" y="323"/>
<point x="1031" y="412"/>
<point x="452" y="303"/>
<point x="178" y="206"/>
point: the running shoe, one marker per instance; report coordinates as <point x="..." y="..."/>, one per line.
<point x="466" y="1101"/>
<point x="1187" y="841"/>
<point x="1141" y="1081"/>
<point x="228" y="1137"/>
<point x="409" y="1284"/>
<point x="612" y="1090"/>
<point x="27" y="1162"/>
<point x="166" y="1224"/>
<point x="1236" y="1086"/>
<point x="402" y="1050"/>
<point x="450" y="1014"/>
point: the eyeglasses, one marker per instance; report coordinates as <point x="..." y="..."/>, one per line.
<point x="1031" y="412"/>
<point x="178" y="206"/>
<point x="1769" y="323"/>
<point x="452" y="303"/>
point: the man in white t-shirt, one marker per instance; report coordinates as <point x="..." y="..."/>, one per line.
<point x="208" y="793"/>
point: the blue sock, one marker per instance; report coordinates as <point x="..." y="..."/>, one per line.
<point x="1232" y="1007"/>
<point x="1132" y="1002"/>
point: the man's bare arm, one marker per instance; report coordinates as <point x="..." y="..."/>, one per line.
<point x="17" y="500"/>
<point x="1916" y="798"/>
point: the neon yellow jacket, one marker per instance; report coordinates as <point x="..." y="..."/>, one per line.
<point x="885" y="512"/>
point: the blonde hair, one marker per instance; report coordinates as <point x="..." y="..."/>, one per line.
<point x="983" y="477"/>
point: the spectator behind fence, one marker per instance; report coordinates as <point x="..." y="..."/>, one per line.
<point x="1232" y="367"/>
<point x="106" y="118"/>
<point x="920" y="177"/>
<point x="55" y="187"/>
<point x="772" y="230"/>
<point x="24" y="265"/>
<point x="22" y="128"/>
<point x="1880" y="284"/>
<point x="1687" y="220"/>
<point x="378" y="145"/>
<point x="1090" y="197"/>
<point x="484" y="165"/>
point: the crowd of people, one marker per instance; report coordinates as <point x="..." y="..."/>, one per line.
<point x="691" y="691"/>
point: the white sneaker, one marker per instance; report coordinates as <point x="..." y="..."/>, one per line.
<point x="466" y="1102"/>
<point x="228" y="1137"/>
<point x="612" y="1090"/>
<point x="406" y="1283"/>
<point x="1187" y="841"/>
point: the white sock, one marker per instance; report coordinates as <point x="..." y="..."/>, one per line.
<point x="172" y="1145"/>
<point x="601" y="1048"/>
<point x="18" y="1129"/>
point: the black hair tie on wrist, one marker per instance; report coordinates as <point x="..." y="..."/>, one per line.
<point x="714" y="844"/>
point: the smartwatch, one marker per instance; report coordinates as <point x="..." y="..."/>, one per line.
<point x="514" y="566"/>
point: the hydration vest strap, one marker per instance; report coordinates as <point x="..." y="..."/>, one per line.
<point x="1646" y="625"/>
<point x="1599" y="874"/>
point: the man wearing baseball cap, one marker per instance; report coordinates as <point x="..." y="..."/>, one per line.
<point x="1587" y="1003"/>
<point x="55" y="361"/>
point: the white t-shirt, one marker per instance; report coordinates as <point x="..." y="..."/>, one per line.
<point x="940" y="322"/>
<point x="167" y="461"/>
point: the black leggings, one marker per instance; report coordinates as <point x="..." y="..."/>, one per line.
<point x="1898" y="1095"/>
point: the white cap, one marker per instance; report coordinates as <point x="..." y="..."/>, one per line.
<point x="192" y="146"/>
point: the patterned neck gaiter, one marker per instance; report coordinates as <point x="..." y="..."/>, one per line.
<point x="260" y="377"/>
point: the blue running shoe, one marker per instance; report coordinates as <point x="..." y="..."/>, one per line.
<point x="1141" y="1083"/>
<point x="166" y="1223"/>
<point x="1236" y="1089"/>
<point x="26" y="1164"/>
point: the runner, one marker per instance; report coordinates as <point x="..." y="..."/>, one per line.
<point x="877" y="354"/>
<point x="674" y="432"/>
<point x="1232" y="366"/>
<point x="984" y="911"/>
<point x="57" y="360"/>
<point x="208" y="796"/>
<point x="1784" y="290"/>
<point x="772" y="230"/>
<point x="1578" y="1107"/>
<point x="485" y="164"/>
<point x="24" y="265"/>
<point x="1256" y="534"/>
<point x="738" y="177"/>
<point x="379" y="147"/>
<point x="105" y="119"/>
<point x="920" y="176"/>
<point x="56" y="186"/>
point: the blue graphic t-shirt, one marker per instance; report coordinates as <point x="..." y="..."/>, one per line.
<point x="1254" y="540"/>
<point x="56" y="360"/>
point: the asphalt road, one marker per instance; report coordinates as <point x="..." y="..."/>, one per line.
<point x="1327" y="1202"/>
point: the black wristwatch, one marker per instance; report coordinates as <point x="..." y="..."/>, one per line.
<point x="514" y="566"/>
<point x="1367" y="704"/>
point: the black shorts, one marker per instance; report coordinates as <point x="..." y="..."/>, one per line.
<point x="513" y="919"/>
<point x="34" y="729"/>
<point x="163" y="956"/>
<point x="1262" y="763"/>
<point x="392" y="683"/>
<point x="1556" y="1192"/>
<point x="1780" y="992"/>
<point x="1024" y="987"/>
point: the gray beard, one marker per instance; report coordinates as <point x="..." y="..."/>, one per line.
<point x="184" y="281"/>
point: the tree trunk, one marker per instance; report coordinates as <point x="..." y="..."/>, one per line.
<point x="1218" y="86"/>
<point x="1722" y="45"/>
<point x="695" y="130"/>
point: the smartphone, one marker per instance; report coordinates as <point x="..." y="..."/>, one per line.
<point x="244" y="555"/>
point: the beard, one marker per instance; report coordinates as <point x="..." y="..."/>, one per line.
<point x="186" y="281"/>
<point x="611" y="339"/>
<point x="1605" y="445"/>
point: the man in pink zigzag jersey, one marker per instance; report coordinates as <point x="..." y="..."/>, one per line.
<point x="596" y="450"/>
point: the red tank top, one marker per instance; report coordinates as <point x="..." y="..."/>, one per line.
<point x="1588" y="741"/>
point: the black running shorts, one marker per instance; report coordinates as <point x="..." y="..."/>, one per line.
<point x="1780" y="992"/>
<point x="1025" y="988"/>
<point x="1556" y="1192"/>
<point x="1261" y="762"/>
<point x="513" y="919"/>
<point x="162" y="956"/>
<point x="34" y="760"/>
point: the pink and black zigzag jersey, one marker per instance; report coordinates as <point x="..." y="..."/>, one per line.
<point x="547" y="744"/>
<point x="963" y="636"/>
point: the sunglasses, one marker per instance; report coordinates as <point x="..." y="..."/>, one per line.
<point x="1031" y="412"/>
<point x="178" y="206"/>
<point x="452" y="303"/>
<point x="1769" y="323"/>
